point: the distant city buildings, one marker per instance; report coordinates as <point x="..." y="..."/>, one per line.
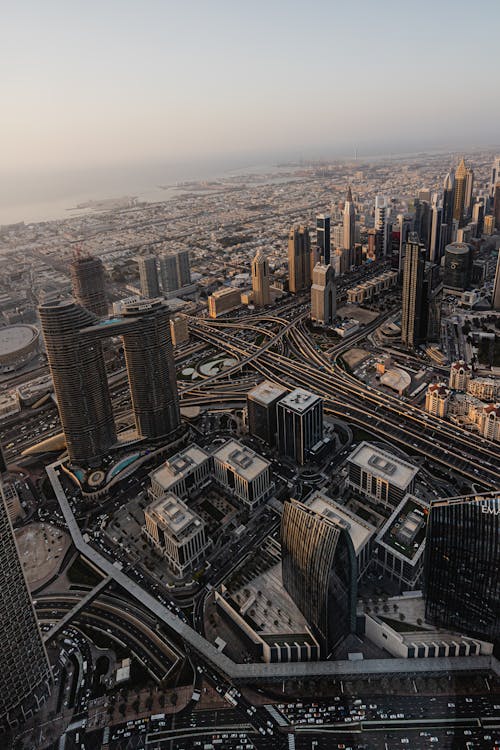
<point x="323" y="295"/>
<point x="319" y="572"/>
<point x="462" y="585"/>
<point x="300" y="424"/>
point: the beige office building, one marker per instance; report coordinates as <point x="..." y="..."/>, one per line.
<point x="260" y="280"/>
<point x="243" y="472"/>
<point x="223" y="301"/>
<point x="323" y="295"/>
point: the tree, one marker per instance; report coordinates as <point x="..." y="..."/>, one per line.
<point x="136" y="705"/>
<point x="174" y="698"/>
<point x="122" y="708"/>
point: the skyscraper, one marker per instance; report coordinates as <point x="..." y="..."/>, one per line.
<point x="300" y="424"/>
<point x="175" y="270"/>
<point x="435" y="239"/>
<point x="457" y="266"/>
<point x="323" y="237"/>
<point x="382" y="222"/>
<point x="404" y="226"/>
<point x="3" y="463"/>
<point x="460" y="191"/>
<point x="80" y="383"/>
<point x="299" y="264"/>
<point x="469" y="189"/>
<point x="462" y="560"/>
<point x="478" y="216"/>
<point x="495" y="302"/>
<point x="413" y="319"/>
<point x="148" y="275"/>
<point x="448" y="204"/>
<point x="149" y="356"/>
<point x="496" y="205"/>
<point x="25" y="675"/>
<point x="88" y="282"/>
<point x="319" y="572"/>
<point x="169" y="274"/>
<point x="262" y="404"/>
<point x="323" y="295"/>
<point x="349" y="222"/>
<point x="495" y="176"/>
<point x="260" y="280"/>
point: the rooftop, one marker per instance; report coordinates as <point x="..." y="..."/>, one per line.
<point x="266" y="392"/>
<point x="242" y="460"/>
<point x="179" y="466"/>
<point x="404" y="532"/>
<point x="15" y="337"/>
<point x="359" y="530"/>
<point x="384" y="465"/>
<point x="173" y="515"/>
<point x="300" y="400"/>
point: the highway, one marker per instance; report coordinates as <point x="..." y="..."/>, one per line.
<point x="344" y="396"/>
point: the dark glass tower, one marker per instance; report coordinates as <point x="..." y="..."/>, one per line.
<point x="323" y="237"/>
<point x="25" y="675"/>
<point x="89" y="286"/>
<point x="319" y="572"/>
<point x="414" y="314"/>
<point x="80" y="381"/>
<point x="462" y="560"/>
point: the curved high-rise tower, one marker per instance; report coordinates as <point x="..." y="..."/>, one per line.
<point x="80" y="382"/>
<point x="260" y="280"/>
<point x="149" y="356"/>
<point x="88" y="282"/>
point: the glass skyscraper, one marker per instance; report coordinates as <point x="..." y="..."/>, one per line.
<point x="462" y="583"/>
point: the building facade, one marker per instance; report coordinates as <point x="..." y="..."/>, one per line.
<point x="262" y="404"/>
<point x="177" y="532"/>
<point x="261" y="285"/>
<point x="379" y="476"/>
<point x="182" y="474"/>
<point x="462" y="585"/>
<point x="437" y="399"/>
<point x="243" y="473"/>
<point x="223" y="301"/>
<point x="460" y="193"/>
<point x="179" y="330"/>
<point x="319" y="572"/>
<point x="323" y="295"/>
<point x="323" y="241"/>
<point x="148" y="276"/>
<point x="300" y="424"/>
<point x="460" y="374"/>
<point x="414" y="312"/>
<point x="25" y="675"/>
<point x="89" y="285"/>
<point x="349" y="222"/>
<point x="299" y="259"/>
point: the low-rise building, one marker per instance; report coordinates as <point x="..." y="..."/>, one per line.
<point x="182" y="473"/>
<point x="380" y="476"/>
<point x="486" y="389"/>
<point x="437" y="399"/>
<point x="400" y="543"/>
<point x="9" y="404"/>
<point x="459" y="375"/>
<point x="346" y="328"/>
<point x="243" y="472"/>
<point x="177" y="532"/>
<point x="179" y="330"/>
<point x="223" y="301"/>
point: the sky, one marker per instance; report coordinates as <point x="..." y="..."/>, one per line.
<point x="107" y="82"/>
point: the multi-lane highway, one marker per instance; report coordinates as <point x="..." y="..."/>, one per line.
<point x="378" y="412"/>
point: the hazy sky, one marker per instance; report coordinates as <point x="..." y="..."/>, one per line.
<point x="115" y="81"/>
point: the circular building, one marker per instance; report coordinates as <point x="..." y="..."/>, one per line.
<point x="18" y="345"/>
<point x="457" y="266"/>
